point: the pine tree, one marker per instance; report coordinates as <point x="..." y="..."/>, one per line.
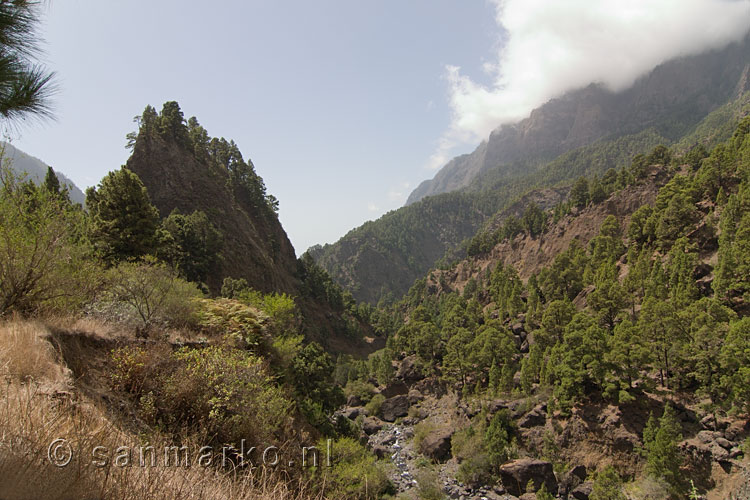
<point x="660" y="441"/>
<point x="579" y="193"/>
<point x="25" y="86"/>
<point x="123" y="218"/>
<point x="51" y="182"/>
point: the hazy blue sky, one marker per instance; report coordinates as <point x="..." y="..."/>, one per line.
<point x="344" y="106"/>
<point x="339" y="104"/>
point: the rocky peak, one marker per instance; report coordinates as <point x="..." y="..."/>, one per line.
<point x="255" y="246"/>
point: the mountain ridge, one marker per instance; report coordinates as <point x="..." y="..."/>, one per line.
<point x="376" y="260"/>
<point x="583" y="116"/>
<point x="37" y="170"/>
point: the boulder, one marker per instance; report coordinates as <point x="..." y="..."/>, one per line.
<point x="437" y="445"/>
<point x="517" y="474"/>
<point x="396" y="388"/>
<point x="408" y="371"/>
<point x="525" y="346"/>
<point x="415" y="396"/>
<point x="582" y="491"/>
<point x="579" y="471"/>
<point x="351" y="413"/>
<point x="497" y="405"/>
<point x="535" y="418"/>
<point x="354" y="400"/>
<point x="737" y="430"/>
<point x="380" y="451"/>
<point x="572" y="479"/>
<point x="371" y="425"/>
<point x="724" y="443"/>
<point x="395" y="407"/>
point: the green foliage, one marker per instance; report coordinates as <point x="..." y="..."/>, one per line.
<point x="354" y="472"/>
<point x="534" y="220"/>
<point x="498" y="438"/>
<point x="429" y="485"/>
<point x="191" y="244"/>
<point x="51" y="182"/>
<point x="234" y="320"/>
<point x="468" y="446"/>
<point x="579" y="193"/>
<point x="151" y="291"/>
<point x="25" y="86"/>
<point x="577" y="362"/>
<point x="543" y="494"/>
<point x="733" y="268"/>
<point x="607" y="485"/>
<point x="217" y="386"/>
<point x="735" y="364"/>
<point x="311" y="374"/>
<point x="373" y="406"/>
<point x="660" y="441"/>
<point x="363" y="390"/>
<point x="130" y="369"/>
<point x="124" y="221"/>
<point x="44" y="255"/>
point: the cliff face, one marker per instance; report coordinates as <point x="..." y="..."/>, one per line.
<point x="672" y="98"/>
<point x="255" y="246"/>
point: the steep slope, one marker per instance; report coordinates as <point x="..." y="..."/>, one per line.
<point x="383" y="257"/>
<point x="184" y="169"/>
<point x="37" y="170"/>
<point x="671" y="99"/>
<point x="373" y="261"/>
<point x="255" y="246"/>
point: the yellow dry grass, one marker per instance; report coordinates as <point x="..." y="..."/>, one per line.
<point x="36" y="410"/>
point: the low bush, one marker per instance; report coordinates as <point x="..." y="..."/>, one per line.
<point x="147" y="293"/>
<point x="373" y="407"/>
<point x="354" y="472"/>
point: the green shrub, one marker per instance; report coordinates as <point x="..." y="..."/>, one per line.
<point x="468" y="446"/>
<point x="354" y="472"/>
<point x="148" y="292"/>
<point x="428" y="485"/>
<point x="607" y="485"/>
<point x="226" y="392"/>
<point x="373" y="407"/>
<point x="44" y="257"/>
<point x="232" y="319"/>
<point x="363" y="390"/>
<point x="476" y="470"/>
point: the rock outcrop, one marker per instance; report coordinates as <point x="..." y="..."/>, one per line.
<point x="516" y="475"/>
<point x="255" y="246"/>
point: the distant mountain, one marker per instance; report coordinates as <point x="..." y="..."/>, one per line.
<point x="37" y="170"/>
<point x="671" y="99"/>
<point x="585" y="132"/>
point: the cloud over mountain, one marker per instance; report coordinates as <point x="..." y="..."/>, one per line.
<point x="547" y="48"/>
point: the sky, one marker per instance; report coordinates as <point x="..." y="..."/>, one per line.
<point x="343" y="106"/>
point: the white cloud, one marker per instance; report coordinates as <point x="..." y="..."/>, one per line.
<point x="549" y="47"/>
<point x="373" y="207"/>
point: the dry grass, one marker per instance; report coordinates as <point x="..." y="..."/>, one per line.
<point x="25" y="354"/>
<point x="34" y="412"/>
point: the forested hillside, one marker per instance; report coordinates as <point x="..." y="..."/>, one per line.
<point x="380" y="259"/>
<point x="600" y="347"/>
<point x="113" y="333"/>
